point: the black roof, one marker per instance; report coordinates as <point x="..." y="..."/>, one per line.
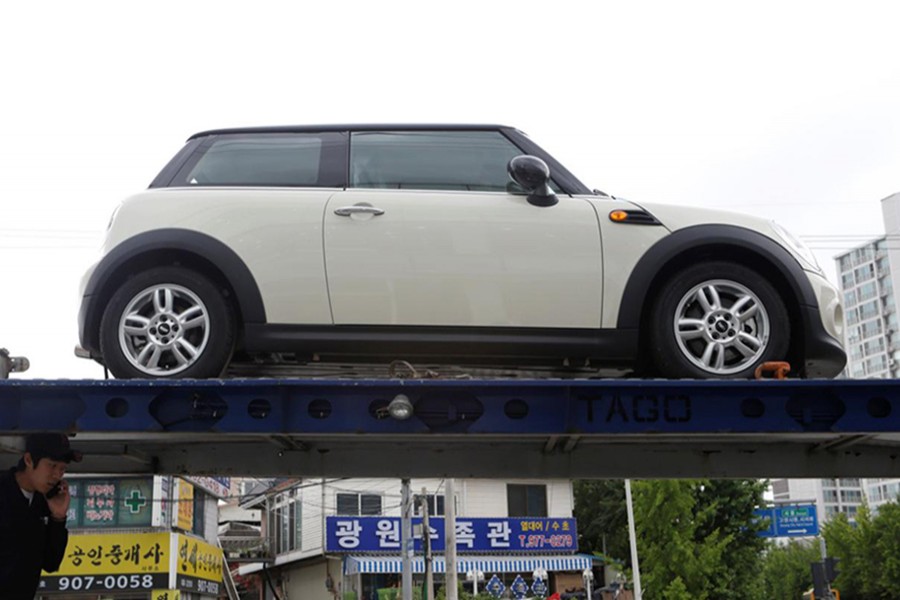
<point x="352" y="127"/>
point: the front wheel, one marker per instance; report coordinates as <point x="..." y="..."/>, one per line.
<point x="717" y="320"/>
<point x="167" y="322"/>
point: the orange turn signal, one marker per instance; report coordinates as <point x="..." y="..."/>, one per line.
<point x="618" y="216"/>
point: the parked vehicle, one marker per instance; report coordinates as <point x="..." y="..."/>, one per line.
<point x="439" y="244"/>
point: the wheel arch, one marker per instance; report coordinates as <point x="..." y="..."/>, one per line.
<point x="717" y="242"/>
<point x="170" y="246"/>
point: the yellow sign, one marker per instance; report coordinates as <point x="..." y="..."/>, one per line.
<point x="197" y="558"/>
<point x="113" y="554"/>
<point x="184" y="492"/>
<point x="165" y="595"/>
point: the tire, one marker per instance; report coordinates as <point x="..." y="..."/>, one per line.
<point x="167" y="322"/>
<point x="717" y="320"/>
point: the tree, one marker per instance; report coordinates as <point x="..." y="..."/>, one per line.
<point x="601" y="515"/>
<point x="695" y="534"/>
<point x="727" y="505"/>
<point x="887" y="523"/>
<point x="786" y="569"/>
<point x="671" y="545"/>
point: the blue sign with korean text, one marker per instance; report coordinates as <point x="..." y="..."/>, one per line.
<point x="524" y="534"/>
<point x="789" y="521"/>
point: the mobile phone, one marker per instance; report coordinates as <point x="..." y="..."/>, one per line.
<point x="54" y="490"/>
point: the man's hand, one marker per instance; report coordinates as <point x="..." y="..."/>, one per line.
<point x="59" y="504"/>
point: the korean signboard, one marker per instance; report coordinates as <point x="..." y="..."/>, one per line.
<point x="789" y="521"/>
<point x="160" y="564"/>
<point x="184" y="496"/>
<point x="98" y="502"/>
<point x="382" y="534"/>
<point x="199" y="566"/>
<point x="220" y="487"/>
<point x="105" y="563"/>
<point x="126" y="502"/>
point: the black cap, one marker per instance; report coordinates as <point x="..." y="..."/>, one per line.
<point x="54" y="446"/>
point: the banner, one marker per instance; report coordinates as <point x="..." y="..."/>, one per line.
<point x="516" y="534"/>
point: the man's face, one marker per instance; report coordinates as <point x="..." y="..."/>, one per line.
<point x="46" y="474"/>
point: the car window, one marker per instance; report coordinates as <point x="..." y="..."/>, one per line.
<point x="263" y="160"/>
<point x="431" y="160"/>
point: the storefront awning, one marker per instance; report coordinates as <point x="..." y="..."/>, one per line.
<point x="486" y="564"/>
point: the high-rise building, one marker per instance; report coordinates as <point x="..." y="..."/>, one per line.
<point x="868" y="276"/>
<point x="831" y="496"/>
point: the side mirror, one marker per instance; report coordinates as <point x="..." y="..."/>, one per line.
<point x="532" y="175"/>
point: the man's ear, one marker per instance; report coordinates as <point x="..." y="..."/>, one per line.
<point x="29" y="461"/>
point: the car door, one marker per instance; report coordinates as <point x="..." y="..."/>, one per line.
<point x="427" y="234"/>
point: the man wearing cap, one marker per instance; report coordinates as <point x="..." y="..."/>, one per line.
<point x="33" y="533"/>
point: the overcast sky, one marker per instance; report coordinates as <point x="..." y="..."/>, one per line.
<point x="783" y="109"/>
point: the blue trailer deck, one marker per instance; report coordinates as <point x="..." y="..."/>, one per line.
<point x="467" y="427"/>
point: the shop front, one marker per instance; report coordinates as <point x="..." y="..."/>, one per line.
<point x="168" y="566"/>
<point x="517" y="556"/>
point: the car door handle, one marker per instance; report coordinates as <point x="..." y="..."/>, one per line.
<point x="358" y="209"/>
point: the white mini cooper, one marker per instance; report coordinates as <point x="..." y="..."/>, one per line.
<point x="463" y="245"/>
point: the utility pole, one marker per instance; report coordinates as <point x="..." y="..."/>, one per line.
<point x="406" y="540"/>
<point x="426" y="546"/>
<point x="632" y="538"/>
<point x="450" y="544"/>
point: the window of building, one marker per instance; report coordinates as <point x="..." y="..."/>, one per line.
<point x="864" y="273"/>
<point x="893" y="491"/>
<point x="830" y="495"/>
<point x="431" y="160"/>
<point x="873" y="347"/>
<point x="526" y="500"/>
<point x="871" y="328"/>
<point x="867" y="291"/>
<point x="285" y="522"/>
<point x="849" y="482"/>
<point x="199" y="525"/>
<point x="851" y="496"/>
<point x="358" y="504"/>
<point x="435" y="504"/>
<point x="868" y="310"/>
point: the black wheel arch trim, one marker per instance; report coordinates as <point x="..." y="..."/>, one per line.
<point x="636" y="293"/>
<point x="232" y="267"/>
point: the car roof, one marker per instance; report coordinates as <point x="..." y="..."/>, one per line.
<point x="352" y="127"/>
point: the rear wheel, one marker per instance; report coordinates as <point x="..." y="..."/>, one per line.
<point x="717" y="320"/>
<point x="167" y="322"/>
